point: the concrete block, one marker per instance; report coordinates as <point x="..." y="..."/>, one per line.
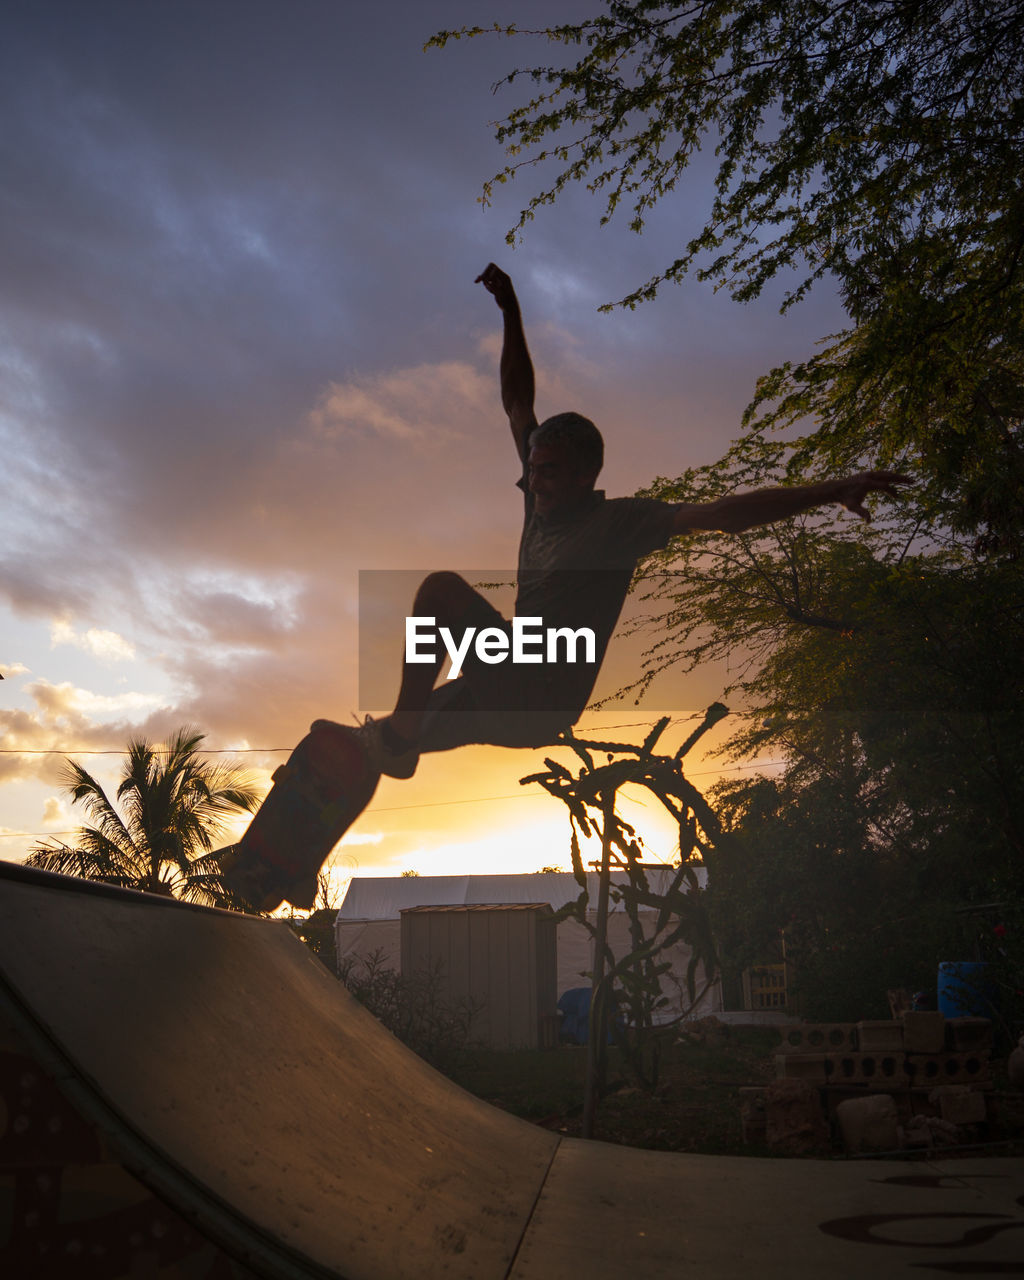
<point x="969" y="1035"/>
<point x="959" y="1104"/>
<point x="930" y="1069"/>
<point x="813" y="1067"/>
<point x="870" y="1123"/>
<point x="834" y="1095"/>
<point x="818" y="1037"/>
<point x="876" y="1070"/>
<point x="924" y="1032"/>
<point x="880" y="1037"/>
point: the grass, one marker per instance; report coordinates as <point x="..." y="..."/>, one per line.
<point x="694" y="1108"/>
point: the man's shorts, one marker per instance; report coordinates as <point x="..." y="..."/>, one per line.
<point x="500" y="704"/>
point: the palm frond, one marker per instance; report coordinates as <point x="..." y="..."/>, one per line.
<point x="160" y="832"/>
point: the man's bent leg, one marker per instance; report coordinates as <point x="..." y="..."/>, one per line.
<point x="454" y="604"/>
<point x="502" y="706"/>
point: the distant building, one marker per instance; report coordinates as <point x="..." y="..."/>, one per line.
<point x="370" y="921"/>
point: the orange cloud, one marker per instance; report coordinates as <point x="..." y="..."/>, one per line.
<point x="428" y="403"/>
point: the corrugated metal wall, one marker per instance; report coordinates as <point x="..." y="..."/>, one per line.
<point x="358" y="939"/>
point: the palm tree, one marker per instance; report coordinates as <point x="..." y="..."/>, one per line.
<point x="174" y="805"/>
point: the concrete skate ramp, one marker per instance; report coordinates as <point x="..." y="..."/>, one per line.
<point x="235" y="1077"/>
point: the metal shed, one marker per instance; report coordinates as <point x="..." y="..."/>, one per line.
<point x="501" y="957"/>
<point x="369" y="923"/>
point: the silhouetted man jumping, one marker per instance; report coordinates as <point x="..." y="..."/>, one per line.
<point x="522" y="681"/>
<point x="577" y="555"/>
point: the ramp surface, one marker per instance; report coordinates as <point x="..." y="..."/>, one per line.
<point x="236" y="1078"/>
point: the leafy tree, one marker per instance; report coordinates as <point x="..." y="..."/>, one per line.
<point x="846" y="133"/>
<point x="803" y="874"/>
<point x="881" y="669"/>
<point x="877" y="144"/>
<point x="158" y="833"/>
<point x="933" y="389"/>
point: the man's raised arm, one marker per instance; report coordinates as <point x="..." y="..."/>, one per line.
<point x="741" y="511"/>
<point x="517" y="384"/>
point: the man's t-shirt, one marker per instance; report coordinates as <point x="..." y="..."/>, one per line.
<point x="574" y="571"/>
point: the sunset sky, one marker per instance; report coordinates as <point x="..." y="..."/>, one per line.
<point x="243" y="357"/>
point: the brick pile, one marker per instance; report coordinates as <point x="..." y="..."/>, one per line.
<point x="935" y="1069"/>
<point x="920" y="1050"/>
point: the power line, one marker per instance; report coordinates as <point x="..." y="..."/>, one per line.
<point x="10" y="835"/>
<point x="443" y="804"/>
<point x="120" y="751"/>
<point x="242" y="751"/>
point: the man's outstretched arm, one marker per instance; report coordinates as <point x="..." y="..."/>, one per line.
<point x="517" y="383"/>
<point x="741" y="511"/>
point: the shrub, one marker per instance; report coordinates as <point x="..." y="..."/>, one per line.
<point x="413" y="1008"/>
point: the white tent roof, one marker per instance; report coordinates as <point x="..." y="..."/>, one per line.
<point x="385" y="897"/>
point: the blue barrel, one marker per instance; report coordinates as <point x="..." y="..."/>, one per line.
<point x="964" y="989"/>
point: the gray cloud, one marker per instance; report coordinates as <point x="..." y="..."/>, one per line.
<point x="244" y="357"/>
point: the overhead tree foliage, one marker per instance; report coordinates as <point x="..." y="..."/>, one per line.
<point x="875" y="145"/>
<point x="845" y="131"/>
<point x="878" y="144"/>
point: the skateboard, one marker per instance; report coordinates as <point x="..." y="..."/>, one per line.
<point x="320" y="790"/>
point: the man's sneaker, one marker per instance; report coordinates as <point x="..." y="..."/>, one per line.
<point x="395" y="765"/>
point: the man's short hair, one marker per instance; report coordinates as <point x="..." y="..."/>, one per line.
<point x="577" y="434"/>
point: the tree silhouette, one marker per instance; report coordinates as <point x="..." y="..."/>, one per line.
<point x="159" y="832"/>
<point x="679" y="909"/>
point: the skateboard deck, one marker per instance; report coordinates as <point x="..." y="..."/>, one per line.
<point x="320" y="790"/>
